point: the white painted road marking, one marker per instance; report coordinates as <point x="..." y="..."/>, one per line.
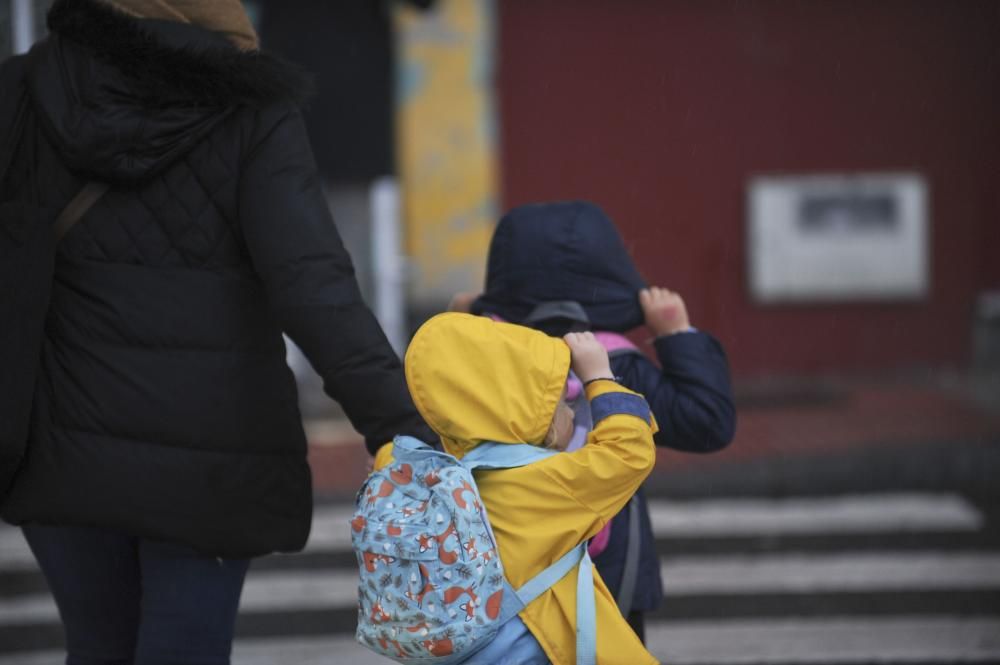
<point x="910" y="640"/>
<point x="276" y="591"/>
<point x="867" y="513"/>
<point x="835" y="573"/>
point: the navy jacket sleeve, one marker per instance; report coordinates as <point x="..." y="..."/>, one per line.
<point x="309" y="280"/>
<point x="690" y="396"/>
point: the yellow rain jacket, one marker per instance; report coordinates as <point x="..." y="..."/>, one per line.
<point x="476" y="380"/>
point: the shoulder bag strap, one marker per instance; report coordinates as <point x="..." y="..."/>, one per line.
<point x="15" y="118"/>
<point x="78" y="207"/>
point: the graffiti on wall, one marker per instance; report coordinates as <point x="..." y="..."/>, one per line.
<point x="447" y="145"/>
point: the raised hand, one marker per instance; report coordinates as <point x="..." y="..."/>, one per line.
<point x="664" y="310"/>
<point x="588" y="357"/>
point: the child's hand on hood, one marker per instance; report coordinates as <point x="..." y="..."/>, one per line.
<point x="588" y="357"/>
<point x="664" y="311"/>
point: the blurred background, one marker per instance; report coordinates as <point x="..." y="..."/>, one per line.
<point x="819" y="180"/>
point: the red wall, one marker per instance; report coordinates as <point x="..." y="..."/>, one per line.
<point x="660" y="111"/>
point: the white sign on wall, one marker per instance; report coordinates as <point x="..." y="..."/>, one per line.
<point x="831" y="238"/>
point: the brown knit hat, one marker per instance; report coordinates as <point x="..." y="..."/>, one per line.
<point x="226" y="17"/>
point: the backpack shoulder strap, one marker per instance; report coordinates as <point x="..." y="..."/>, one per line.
<point x="515" y="600"/>
<point x="534" y="587"/>
<point x="630" y="574"/>
<point x="490" y="455"/>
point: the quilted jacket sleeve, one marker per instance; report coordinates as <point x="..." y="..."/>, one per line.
<point x="690" y="393"/>
<point x="310" y="282"/>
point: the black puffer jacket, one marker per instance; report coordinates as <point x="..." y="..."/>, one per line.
<point x="165" y="407"/>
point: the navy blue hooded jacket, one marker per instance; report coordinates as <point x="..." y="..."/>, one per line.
<point x="545" y="252"/>
<point x="570" y="252"/>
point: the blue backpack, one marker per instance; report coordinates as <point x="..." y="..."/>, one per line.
<point x="432" y="588"/>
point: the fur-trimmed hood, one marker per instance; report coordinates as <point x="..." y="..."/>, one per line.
<point x="123" y="98"/>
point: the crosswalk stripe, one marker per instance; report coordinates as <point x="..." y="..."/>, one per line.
<point x="877" y="555"/>
<point x="891" y="513"/>
<point x="864" y="513"/>
<point x="276" y="591"/>
<point x="828" y="640"/>
<point x="900" y="640"/>
<point x="28" y="609"/>
<point x="842" y="572"/>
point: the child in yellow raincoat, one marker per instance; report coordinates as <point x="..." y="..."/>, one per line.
<point x="476" y="380"/>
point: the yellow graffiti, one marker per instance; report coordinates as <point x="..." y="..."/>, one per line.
<point x="447" y="144"/>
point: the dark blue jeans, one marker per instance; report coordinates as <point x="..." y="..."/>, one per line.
<point x="129" y="601"/>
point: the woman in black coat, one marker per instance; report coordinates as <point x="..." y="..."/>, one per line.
<point x="166" y="446"/>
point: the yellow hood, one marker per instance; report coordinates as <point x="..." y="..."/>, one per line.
<point x="475" y="380"/>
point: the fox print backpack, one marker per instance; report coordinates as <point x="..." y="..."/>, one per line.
<point x="432" y="587"/>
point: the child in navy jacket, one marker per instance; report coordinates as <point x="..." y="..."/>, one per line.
<point x="562" y="267"/>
